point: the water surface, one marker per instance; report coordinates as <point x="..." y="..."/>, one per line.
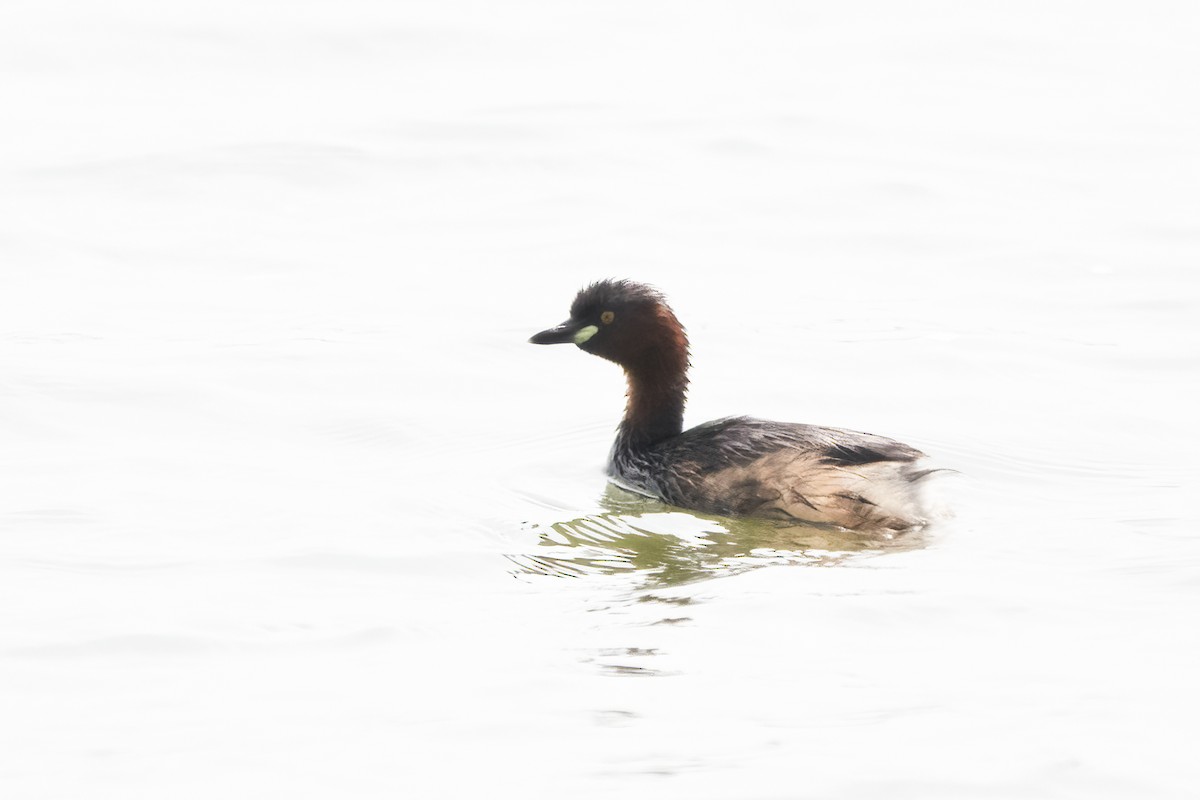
<point x="291" y="508"/>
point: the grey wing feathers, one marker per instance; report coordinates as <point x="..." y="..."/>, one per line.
<point x="736" y="441"/>
<point x="806" y="473"/>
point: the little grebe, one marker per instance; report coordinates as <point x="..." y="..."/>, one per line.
<point x="736" y="466"/>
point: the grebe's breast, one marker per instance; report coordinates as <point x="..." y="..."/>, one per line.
<point x="740" y="466"/>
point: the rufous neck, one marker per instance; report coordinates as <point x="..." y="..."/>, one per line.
<point x="654" y="409"/>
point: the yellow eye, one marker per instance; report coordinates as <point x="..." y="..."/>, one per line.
<point x="607" y="317"/>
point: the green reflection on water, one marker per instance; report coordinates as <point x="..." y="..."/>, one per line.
<point x="665" y="546"/>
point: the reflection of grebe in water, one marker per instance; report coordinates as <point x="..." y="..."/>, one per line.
<point x="663" y="547"/>
<point x="737" y="466"/>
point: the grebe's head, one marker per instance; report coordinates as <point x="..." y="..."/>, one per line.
<point x="626" y="322"/>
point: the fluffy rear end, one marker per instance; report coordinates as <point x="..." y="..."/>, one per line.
<point x="804" y="487"/>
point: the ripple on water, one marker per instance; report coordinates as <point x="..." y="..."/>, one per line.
<point x="659" y="545"/>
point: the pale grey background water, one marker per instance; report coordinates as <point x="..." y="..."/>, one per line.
<point x="291" y="508"/>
